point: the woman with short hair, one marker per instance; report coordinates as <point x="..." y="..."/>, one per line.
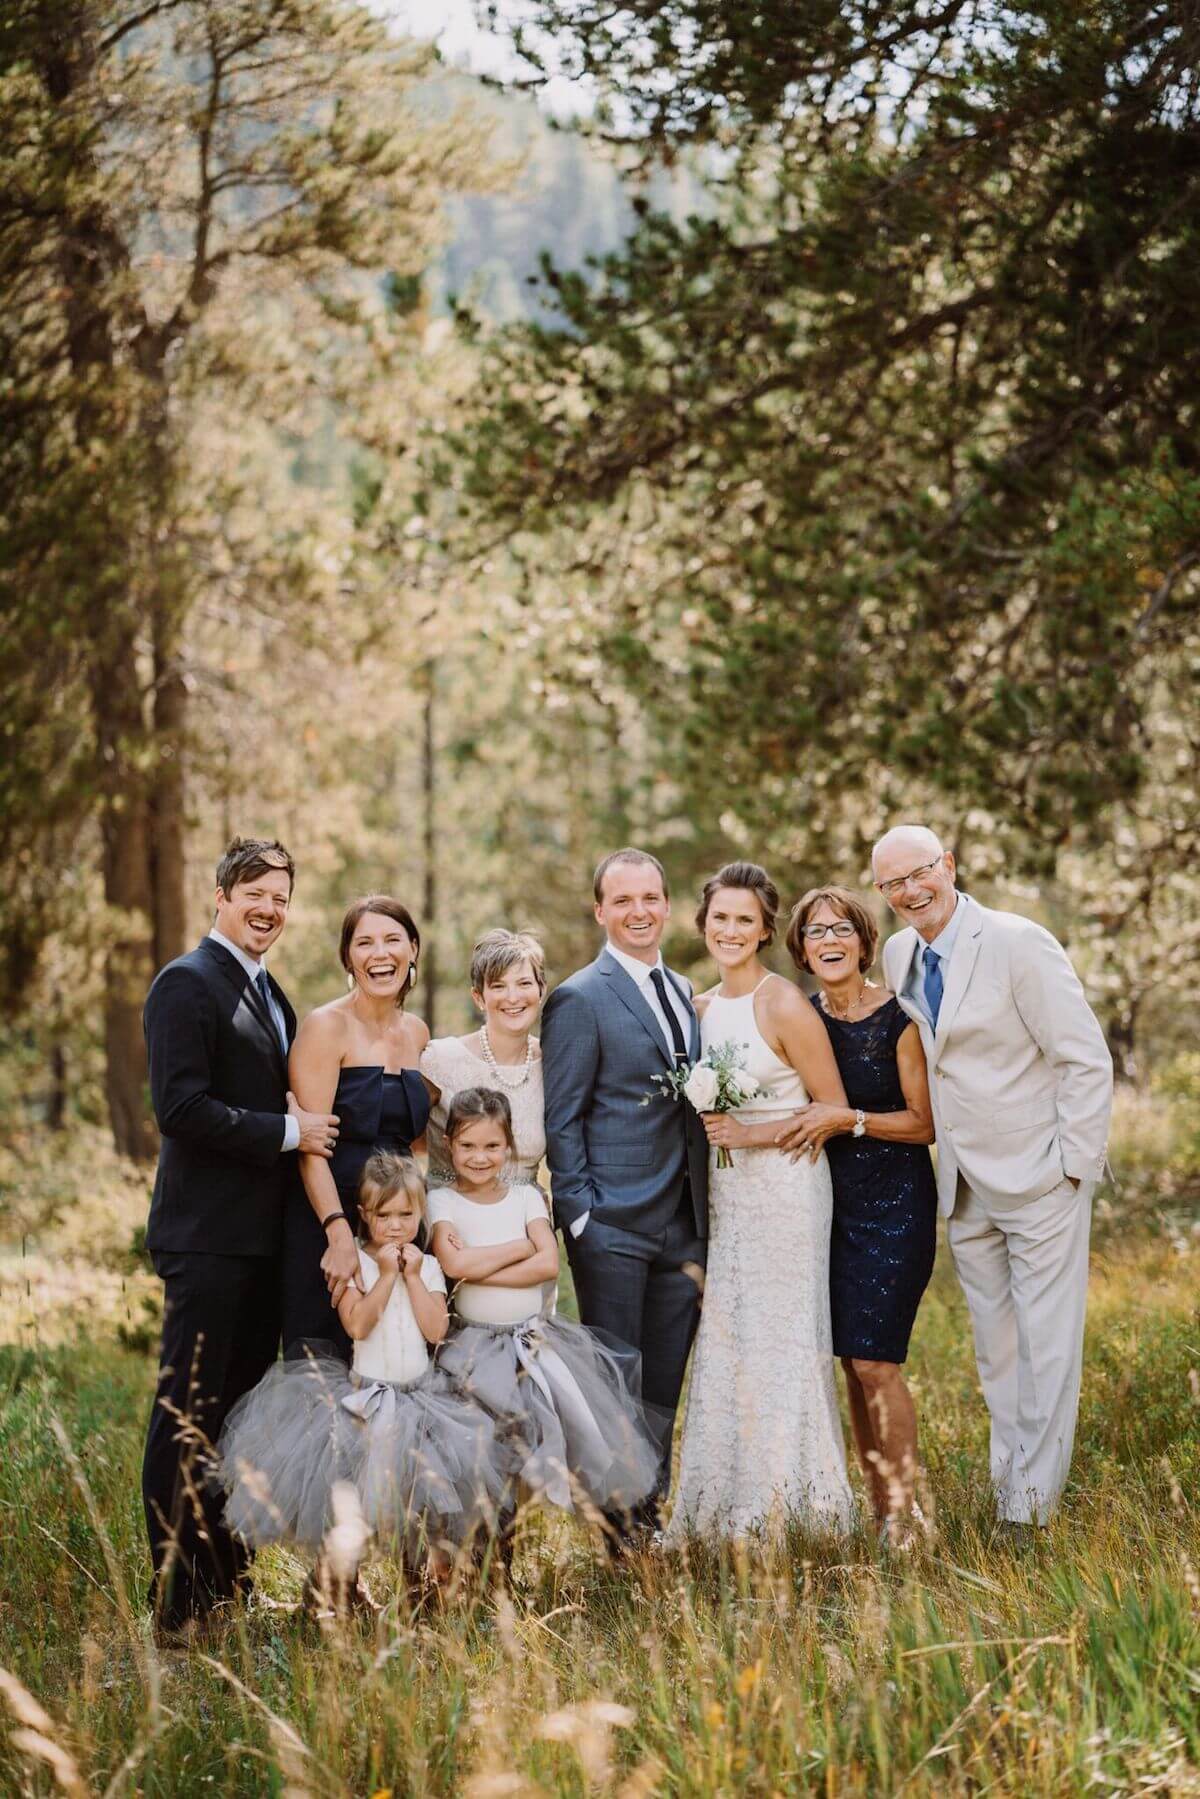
<point x="508" y="985"/>
<point x="884" y="1196"/>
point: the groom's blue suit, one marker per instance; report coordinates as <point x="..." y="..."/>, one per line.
<point x="639" y="1171"/>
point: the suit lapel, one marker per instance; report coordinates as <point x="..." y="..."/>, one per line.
<point x="626" y="990"/>
<point x="252" y="999"/>
<point x="908" y="950"/>
<point x="958" y="975"/>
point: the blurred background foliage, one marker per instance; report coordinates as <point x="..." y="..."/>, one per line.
<point x="803" y="439"/>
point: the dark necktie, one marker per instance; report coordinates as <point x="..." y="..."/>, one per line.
<point x="669" y="1013"/>
<point x="933" y="984"/>
<point x="263" y="982"/>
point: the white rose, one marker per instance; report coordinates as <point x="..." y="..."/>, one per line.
<point x="702" y="1086"/>
<point x="746" y="1083"/>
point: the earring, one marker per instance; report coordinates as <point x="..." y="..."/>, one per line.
<point x="350" y="983"/>
<point x="412" y="972"/>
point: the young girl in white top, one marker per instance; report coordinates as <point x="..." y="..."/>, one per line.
<point x="551" y="1386"/>
<point x="423" y="1457"/>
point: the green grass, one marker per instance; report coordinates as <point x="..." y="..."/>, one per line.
<point x="814" y="1669"/>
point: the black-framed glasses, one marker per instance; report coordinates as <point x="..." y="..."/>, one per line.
<point x="841" y="928"/>
<point x="888" y="888"/>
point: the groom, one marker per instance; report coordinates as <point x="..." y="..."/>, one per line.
<point x="1021" y="1080"/>
<point x="630" y="1180"/>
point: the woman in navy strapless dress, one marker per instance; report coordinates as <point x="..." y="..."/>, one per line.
<point x="884" y="1193"/>
<point x="361" y="1052"/>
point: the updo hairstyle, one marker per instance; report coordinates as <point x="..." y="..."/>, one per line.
<point x="389" y="908"/>
<point x="753" y="879"/>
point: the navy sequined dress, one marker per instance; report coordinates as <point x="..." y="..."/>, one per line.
<point x="884" y="1199"/>
<point x="375" y="1110"/>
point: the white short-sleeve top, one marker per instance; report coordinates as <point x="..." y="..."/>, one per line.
<point x="480" y="1224"/>
<point x="396" y="1350"/>
<point x="451" y="1066"/>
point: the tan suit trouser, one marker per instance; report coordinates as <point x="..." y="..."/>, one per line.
<point x="1024" y="1271"/>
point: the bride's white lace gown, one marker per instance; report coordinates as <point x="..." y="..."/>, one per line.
<point x="762" y="1437"/>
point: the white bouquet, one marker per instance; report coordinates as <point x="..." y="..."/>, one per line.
<point x="718" y="1082"/>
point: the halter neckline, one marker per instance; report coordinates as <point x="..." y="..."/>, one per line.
<point x="732" y="999"/>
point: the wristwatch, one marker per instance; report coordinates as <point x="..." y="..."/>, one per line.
<point x="860" y="1123"/>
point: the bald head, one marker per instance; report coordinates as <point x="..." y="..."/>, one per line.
<point x="902" y="839"/>
<point x="916" y="877"/>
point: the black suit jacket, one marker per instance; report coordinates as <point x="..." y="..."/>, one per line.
<point x="218" y="1084"/>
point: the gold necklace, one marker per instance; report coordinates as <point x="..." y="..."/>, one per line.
<point x="845" y="1016"/>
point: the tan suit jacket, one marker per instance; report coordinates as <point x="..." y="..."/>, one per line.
<point x="1019" y="1070"/>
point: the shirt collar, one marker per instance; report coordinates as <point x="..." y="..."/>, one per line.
<point x="253" y="968"/>
<point x="638" y="971"/>
<point x="943" y="943"/>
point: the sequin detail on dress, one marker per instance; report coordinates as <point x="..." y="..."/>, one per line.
<point x="884" y="1199"/>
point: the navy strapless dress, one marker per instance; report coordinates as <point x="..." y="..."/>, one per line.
<point x="884" y="1199"/>
<point x="375" y="1111"/>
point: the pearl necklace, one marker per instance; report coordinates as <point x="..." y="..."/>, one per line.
<point x="504" y="1072"/>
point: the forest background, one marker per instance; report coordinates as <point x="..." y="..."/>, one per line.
<point x="839" y="467"/>
<point x="801" y="438"/>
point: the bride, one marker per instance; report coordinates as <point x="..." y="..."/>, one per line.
<point x="762" y="1438"/>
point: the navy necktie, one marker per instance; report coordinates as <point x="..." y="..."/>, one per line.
<point x="669" y="1013"/>
<point x="933" y="984"/>
<point x="263" y="982"/>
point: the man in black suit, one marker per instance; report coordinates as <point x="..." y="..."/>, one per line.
<point x="218" y="1029"/>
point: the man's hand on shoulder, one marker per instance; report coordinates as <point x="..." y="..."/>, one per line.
<point x="318" y="1130"/>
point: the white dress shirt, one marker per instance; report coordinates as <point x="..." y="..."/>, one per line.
<point x="641" y="972"/>
<point x="253" y="966"/>
<point x="943" y="946"/>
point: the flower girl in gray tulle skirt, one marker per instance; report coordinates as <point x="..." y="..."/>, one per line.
<point x="557" y="1393"/>
<point x="427" y="1463"/>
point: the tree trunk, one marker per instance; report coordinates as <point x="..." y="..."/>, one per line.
<point x="429" y="895"/>
<point x="128" y="888"/>
<point x="168" y="796"/>
<point x="56" y="1105"/>
<point x="1122" y="1037"/>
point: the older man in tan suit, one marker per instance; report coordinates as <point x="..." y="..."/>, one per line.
<point x="1021" y="1080"/>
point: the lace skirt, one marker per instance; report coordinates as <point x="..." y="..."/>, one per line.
<point x="762" y="1436"/>
<point x="559" y="1396"/>
<point x="426" y="1462"/>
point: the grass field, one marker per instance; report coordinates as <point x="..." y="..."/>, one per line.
<point x="964" y="1669"/>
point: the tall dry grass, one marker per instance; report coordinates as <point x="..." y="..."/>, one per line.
<point x="815" y="1668"/>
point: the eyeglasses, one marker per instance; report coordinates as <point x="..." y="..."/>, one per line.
<point x="889" y="888"/>
<point x="815" y="932"/>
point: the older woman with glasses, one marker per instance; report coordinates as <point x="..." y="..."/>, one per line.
<point x="884" y="1195"/>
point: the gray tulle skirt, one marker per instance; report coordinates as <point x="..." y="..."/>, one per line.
<point x="427" y="1463"/>
<point x="561" y="1398"/>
